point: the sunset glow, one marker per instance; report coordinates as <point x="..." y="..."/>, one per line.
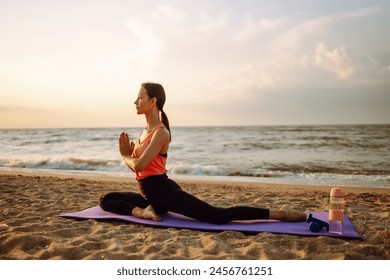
<point x="80" y="64"/>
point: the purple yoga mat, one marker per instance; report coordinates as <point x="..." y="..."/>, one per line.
<point x="173" y="220"/>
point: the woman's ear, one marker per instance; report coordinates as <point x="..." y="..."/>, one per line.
<point x="154" y="101"/>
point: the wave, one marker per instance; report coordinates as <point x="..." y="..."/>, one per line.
<point x="70" y="163"/>
<point x="282" y="173"/>
<point x="280" y="170"/>
<point x="314" y="143"/>
<point x="51" y="141"/>
<point x="277" y="170"/>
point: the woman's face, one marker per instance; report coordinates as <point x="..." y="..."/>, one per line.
<point x="144" y="103"/>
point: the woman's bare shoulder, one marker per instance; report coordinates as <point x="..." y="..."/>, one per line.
<point x="162" y="133"/>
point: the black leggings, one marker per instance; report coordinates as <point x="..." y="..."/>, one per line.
<point x="166" y="195"/>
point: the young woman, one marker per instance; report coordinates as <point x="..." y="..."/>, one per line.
<point x="159" y="194"/>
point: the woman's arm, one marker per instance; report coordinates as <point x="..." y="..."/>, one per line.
<point x="159" y="140"/>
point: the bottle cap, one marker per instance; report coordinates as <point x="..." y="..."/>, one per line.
<point x="336" y="192"/>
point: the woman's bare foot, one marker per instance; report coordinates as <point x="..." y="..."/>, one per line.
<point x="287" y="214"/>
<point x="148" y="213"/>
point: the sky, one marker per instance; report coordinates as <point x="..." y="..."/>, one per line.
<point x="240" y="62"/>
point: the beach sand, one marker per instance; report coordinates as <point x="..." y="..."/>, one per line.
<point x="31" y="229"/>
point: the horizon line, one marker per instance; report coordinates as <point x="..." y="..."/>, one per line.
<point x="196" y="126"/>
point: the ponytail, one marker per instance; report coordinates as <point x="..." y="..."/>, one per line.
<point x="165" y="121"/>
<point x="157" y="91"/>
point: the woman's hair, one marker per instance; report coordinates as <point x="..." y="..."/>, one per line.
<point x="157" y="91"/>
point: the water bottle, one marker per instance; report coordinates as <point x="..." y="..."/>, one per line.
<point x="336" y="211"/>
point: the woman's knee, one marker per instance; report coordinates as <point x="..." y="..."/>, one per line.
<point x="104" y="198"/>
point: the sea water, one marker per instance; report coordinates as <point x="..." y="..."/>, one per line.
<point x="345" y="155"/>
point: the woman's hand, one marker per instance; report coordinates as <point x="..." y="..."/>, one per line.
<point x="126" y="146"/>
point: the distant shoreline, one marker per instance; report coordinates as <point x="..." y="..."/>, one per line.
<point x="200" y="126"/>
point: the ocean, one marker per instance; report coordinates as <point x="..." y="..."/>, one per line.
<point x="336" y="155"/>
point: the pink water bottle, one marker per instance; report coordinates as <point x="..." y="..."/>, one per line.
<point x="336" y="211"/>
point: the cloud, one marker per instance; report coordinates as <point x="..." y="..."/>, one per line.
<point x="209" y="23"/>
<point x="225" y="53"/>
<point x="356" y="14"/>
<point x="151" y="43"/>
<point x="171" y="13"/>
<point x="336" y="61"/>
<point x="277" y="48"/>
<point x="253" y="27"/>
<point x="312" y="30"/>
<point x="251" y="78"/>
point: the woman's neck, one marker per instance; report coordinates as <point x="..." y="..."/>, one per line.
<point x="152" y="120"/>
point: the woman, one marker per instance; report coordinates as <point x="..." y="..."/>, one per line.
<point x="159" y="194"/>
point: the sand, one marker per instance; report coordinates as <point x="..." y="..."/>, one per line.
<point x="30" y="228"/>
